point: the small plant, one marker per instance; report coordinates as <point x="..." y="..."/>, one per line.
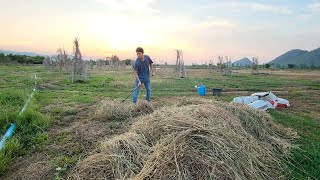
<point x="40" y="139"/>
<point x="11" y="148"/>
<point x="62" y="163"/>
<point x="64" y="137"/>
<point x="113" y="125"/>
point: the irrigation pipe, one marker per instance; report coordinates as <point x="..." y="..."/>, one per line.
<point x="10" y="130"/>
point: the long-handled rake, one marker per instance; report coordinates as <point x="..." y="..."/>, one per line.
<point x="130" y="94"/>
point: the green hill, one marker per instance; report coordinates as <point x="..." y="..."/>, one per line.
<point x="298" y="57"/>
<point x="311" y="58"/>
<point x="242" y="62"/>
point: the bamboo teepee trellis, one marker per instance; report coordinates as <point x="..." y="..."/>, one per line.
<point x="179" y="70"/>
<point x="79" y="68"/>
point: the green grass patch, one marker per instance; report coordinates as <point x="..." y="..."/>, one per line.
<point x="305" y="160"/>
<point x="11" y="149"/>
<point x="29" y="124"/>
<point x="30" y="133"/>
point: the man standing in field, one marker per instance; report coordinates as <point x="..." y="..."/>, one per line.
<point x="142" y="74"/>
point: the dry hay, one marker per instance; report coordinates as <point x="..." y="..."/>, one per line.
<point x="192" y="100"/>
<point x="118" y="158"/>
<point x="203" y="141"/>
<point x="113" y="110"/>
<point x="38" y="170"/>
<point x="118" y="111"/>
<point x="207" y="154"/>
<point x="221" y="139"/>
<point x="171" y="120"/>
<point x="260" y="125"/>
<point x="142" y="108"/>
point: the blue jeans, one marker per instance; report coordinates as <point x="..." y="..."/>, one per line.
<point x="136" y="92"/>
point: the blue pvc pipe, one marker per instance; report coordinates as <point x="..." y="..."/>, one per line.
<point x="7" y="135"/>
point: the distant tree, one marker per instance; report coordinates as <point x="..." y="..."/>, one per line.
<point x="100" y="63"/>
<point x="210" y="66"/>
<point x="228" y="63"/>
<point x="67" y="62"/>
<point x="313" y="66"/>
<point x="302" y="66"/>
<point x="22" y="59"/>
<point x="38" y="59"/>
<point x="114" y="61"/>
<point x="47" y="63"/>
<point x="267" y="66"/>
<point x="290" y="66"/>
<point x="127" y="62"/>
<point x="59" y="58"/>
<point x="220" y="64"/>
<point x="107" y="61"/>
<point x="115" y="58"/>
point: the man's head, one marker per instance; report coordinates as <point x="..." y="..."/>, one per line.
<point x="140" y="52"/>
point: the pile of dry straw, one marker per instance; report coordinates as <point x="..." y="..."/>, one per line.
<point x="118" y="111"/>
<point x="198" y="139"/>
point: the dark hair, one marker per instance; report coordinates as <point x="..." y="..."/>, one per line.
<point x="139" y="49"/>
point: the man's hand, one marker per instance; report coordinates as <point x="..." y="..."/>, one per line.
<point x="139" y="83"/>
<point x="153" y="73"/>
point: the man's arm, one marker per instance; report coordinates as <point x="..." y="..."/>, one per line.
<point x="137" y="77"/>
<point x="135" y="72"/>
<point x="151" y="68"/>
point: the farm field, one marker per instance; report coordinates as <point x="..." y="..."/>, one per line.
<point x="59" y="127"/>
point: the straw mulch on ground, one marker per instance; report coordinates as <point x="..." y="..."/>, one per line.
<point x="202" y="140"/>
<point x="118" y="111"/>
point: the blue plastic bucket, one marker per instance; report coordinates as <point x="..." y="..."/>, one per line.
<point x="202" y="90"/>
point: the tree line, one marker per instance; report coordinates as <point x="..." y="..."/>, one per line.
<point x="291" y="66"/>
<point x="21" y="59"/>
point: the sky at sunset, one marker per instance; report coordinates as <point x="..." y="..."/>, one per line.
<point x="203" y="29"/>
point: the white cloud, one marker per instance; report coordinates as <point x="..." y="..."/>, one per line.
<point x="314" y="6"/>
<point x="260" y="7"/>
